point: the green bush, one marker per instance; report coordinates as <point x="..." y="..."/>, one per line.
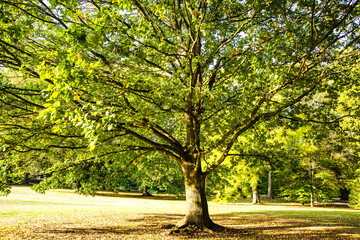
<point x="355" y="192"/>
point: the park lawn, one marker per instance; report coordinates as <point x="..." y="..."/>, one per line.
<point x="62" y="214"/>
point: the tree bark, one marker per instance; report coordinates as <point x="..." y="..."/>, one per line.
<point x="256" y="198"/>
<point x="197" y="213"/>
<point x="269" y="195"/>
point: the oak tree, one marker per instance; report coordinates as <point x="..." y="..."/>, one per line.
<point x="104" y="83"/>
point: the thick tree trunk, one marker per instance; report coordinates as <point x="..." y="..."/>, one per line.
<point x="197" y="213"/>
<point x="256" y="198"/>
<point x="269" y="195"/>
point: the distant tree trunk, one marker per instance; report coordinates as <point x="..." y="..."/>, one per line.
<point x="145" y="192"/>
<point x="311" y="198"/>
<point x="344" y="194"/>
<point x="27" y="176"/>
<point x="197" y="213"/>
<point x="269" y="195"/>
<point x="312" y="186"/>
<point x="255" y="193"/>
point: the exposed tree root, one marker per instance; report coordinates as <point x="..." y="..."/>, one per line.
<point x="187" y="228"/>
<point x="168" y="226"/>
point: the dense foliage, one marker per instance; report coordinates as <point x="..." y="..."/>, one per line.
<point x="98" y="86"/>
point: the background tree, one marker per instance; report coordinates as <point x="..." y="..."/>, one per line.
<point x="236" y="178"/>
<point x="348" y="103"/>
<point x="105" y="78"/>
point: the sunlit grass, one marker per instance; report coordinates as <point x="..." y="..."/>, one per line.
<point x="62" y="214"/>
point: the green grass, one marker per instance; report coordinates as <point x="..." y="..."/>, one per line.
<point x="62" y="214"/>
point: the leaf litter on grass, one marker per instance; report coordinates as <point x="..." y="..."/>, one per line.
<point x="78" y="217"/>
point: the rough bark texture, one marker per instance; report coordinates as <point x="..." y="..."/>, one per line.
<point x="197" y="208"/>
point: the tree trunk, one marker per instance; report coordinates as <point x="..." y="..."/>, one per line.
<point x="312" y="185"/>
<point x="145" y="192"/>
<point x="269" y="195"/>
<point x="311" y="199"/>
<point x="197" y="213"/>
<point x="256" y="198"/>
<point x="344" y="194"/>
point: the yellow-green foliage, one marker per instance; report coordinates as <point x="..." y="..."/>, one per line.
<point x="355" y="192"/>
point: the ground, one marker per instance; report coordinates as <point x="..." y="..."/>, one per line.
<point x="61" y="214"/>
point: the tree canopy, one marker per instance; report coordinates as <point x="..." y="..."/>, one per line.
<point x="107" y="83"/>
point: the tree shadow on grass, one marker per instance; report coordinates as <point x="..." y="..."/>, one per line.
<point x="255" y="225"/>
<point x="138" y="194"/>
<point x="88" y="231"/>
<point x="238" y="226"/>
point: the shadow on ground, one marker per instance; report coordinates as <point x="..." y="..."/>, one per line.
<point x="138" y="194"/>
<point x="239" y="226"/>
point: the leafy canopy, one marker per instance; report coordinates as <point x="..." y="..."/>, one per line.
<point x="100" y="79"/>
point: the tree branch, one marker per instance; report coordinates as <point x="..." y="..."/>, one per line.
<point x="316" y="121"/>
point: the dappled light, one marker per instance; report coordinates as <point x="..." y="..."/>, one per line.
<point x="154" y="226"/>
<point x="26" y="215"/>
<point x="178" y="119"/>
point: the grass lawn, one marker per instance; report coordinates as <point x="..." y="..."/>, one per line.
<point x="62" y="214"/>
